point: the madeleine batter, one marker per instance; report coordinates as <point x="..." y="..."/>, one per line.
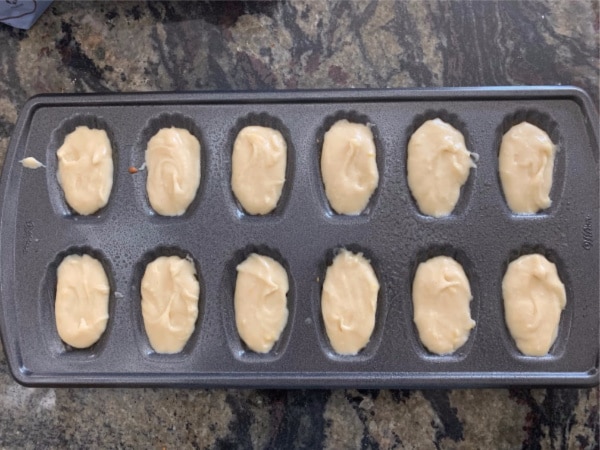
<point x="441" y="303"/>
<point x="81" y="304"/>
<point x="260" y="302"/>
<point x="258" y="161"/>
<point x="170" y="293"/>
<point x="526" y="162"/>
<point x="85" y="169"/>
<point x="349" y="302"/>
<point x="173" y="164"/>
<point x="438" y="166"/>
<point x="348" y="167"/>
<point x="534" y="298"/>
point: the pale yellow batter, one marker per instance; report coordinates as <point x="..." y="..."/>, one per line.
<point x="260" y="302"/>
<point x="349" y="302"/>
<point x="534" y="298"/>
<point x="170" y="293"/>
<point x="85" y="169"/>
<point x="348" y="167"/>
<point x="173" y="164"/>
<point x="258" y="168"/>
<point x="31" y="163"/>
<point x="437" y="167"/>
<point x="81" y="305"/>
<point x="526" y="162"/>
<point x="441" y="303"/>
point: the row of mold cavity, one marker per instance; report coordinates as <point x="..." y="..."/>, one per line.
<point x="389" y="292"/>
<point x="137" y="159"/>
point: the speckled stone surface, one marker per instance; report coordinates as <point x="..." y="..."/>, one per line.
<point x="98" y="47"/>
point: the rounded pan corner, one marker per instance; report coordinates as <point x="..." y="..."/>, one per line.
<point x="582" y="97"/>
<point x="575" y="91"/>
<point x="23" y="376"/>
<point x="16" y="367"/>
<point x="36" y="101"/>
<point x="591" y="379"/>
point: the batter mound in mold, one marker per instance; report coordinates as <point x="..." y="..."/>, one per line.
<point x="349" y="302"/>
<point x="260" y="302"/>
<point x="81" y="306"/>
<point x="441" y="304"/>
<point x="258" y="168"/>
<point x="526" y="163"/>
<point x="85" y="169"/>
<point x="438" y="166"/>
<point x="173" y="164"/>
<point x="170" y="293"/>
<point x="349" y="167"/>
<point x="534" y="298"/>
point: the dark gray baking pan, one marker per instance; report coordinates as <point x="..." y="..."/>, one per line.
<point x="38" y="230"/>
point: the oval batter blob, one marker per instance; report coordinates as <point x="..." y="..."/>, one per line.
<point x="441" y="303"/>
<point x="349" y="302"/>
<point x="260" y="302"/>
<point x="437" y="167"/>
<point x="534" y="298"/>
<point x="173" y="163"/>
<point x="81" y="305"/>
<point x="259" y="160"/>
<point x="31" y="163"/>
<point x="170" y="293"/>
<point x="348" y="167"/>
<point x="526" y="162"/>
<point x="85" y="169"/>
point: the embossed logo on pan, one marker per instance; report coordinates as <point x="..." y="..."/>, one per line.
<point x="587" y="234"/>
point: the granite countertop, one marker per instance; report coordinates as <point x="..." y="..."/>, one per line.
<point x="102" y="47"/>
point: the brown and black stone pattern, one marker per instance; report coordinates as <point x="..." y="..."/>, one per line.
<point x="229" y="45"/>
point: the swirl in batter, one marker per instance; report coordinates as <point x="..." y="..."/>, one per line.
<point x="170" y="293"/>
<point x="349" y="167"/>
<point x="85" y="169"/>
<point x="534" y="298"/>
<point x="173" y="163"/>
<point x="349" y="302"/>
<point x="81" y="306"/>
<point x="526" y="163"/>
<point x="260" y="302"/>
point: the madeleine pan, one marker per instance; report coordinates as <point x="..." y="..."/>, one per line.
<point x="38" y="229"/>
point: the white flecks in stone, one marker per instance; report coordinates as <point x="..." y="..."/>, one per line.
<point x="15" y="397"/>
<point x="48" y="401"/>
